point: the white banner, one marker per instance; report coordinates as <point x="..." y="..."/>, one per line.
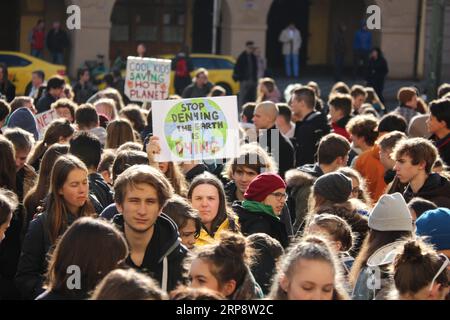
<point x="147" y="79"/>
<point x="44" y="119"/>
<point x="196" y="129"/>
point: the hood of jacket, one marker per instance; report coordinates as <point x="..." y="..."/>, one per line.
<point x="436" y="188"/>
<point x="301" y="177"/>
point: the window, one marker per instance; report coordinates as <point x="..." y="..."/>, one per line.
<point x="224" y="64"/>
<point x="14" y="61"/>
<point x="120" y="30"/>
<point x="207" y="63"/>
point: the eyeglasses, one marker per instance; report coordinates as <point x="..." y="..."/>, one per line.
<point x="443" y="267"/>
<point x="280" y="195"/>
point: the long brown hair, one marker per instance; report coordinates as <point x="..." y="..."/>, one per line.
<point x="93" y="245"/>
<point x="177" y="179"/>
<point x="7" y="165"/>
<point x="118" y="132"/>
<point x="223" y="212"/>
<point x="58" y="128"/>
<point x="56" y="206"/>
<point x="36" y="194"/>
<point x="309" y="248"/>
<point x="374" y="241"/>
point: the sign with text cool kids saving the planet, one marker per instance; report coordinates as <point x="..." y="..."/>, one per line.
<point x="196" y="129"/>
<point x="147" y="79"/>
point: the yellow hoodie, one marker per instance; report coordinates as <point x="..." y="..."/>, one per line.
<point x="205" y="238"/>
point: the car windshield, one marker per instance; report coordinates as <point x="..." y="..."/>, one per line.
<point x="212" y="63"/>
<point x="14" y="61"/>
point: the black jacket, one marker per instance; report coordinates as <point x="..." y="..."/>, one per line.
<point x="376" y="71"/>
<point x="100" y="189"/>
<point x="285" y="216"/>
<point x="443" y="146"/>
<point x="195" y="171"/>
<point x="256" y="222"/>
<point x="230" y="192"/>
<point x="435" y="189"/>
<point x="45" y="102"/>
<point x="241" y="68"/>
<point x="8" y="89"/>
<point x="9" y="255"/>
<point x="109" y="212"/>
<point x="83" y="92"/>
<point x="285" y="153"/>
<point x="313" y="169"/>
<point x="164" y="247"/>
<point x="33" y="259"/>
<point x="57" y="41"/>
<point x="308" y="133"/>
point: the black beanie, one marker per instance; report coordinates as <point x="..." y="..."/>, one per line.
<point x="334" y="186"/>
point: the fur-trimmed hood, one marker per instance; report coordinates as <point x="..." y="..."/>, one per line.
<point x="296" y="178"/>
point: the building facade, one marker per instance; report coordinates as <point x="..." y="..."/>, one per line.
<point x="113" y="27"/>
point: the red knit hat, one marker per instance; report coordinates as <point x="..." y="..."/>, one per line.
<point x="263" y="185"/>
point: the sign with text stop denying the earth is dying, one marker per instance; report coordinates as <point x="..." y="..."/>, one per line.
<point x="196" y="129"/>
<point x="147" y="79"/>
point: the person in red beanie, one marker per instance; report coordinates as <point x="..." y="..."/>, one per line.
<point x="260" y="211"/>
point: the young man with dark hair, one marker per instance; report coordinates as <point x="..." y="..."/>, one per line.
<point x="387" y="143"/>
<point x="359" y="96"/>
<point x="88" y="148"/>
<point x="284" y="123"/>
<point x="86" y="118"/>
<point x="439" y="125"/>
<point x="340" y="113"/>
<point x="407" y="98"/>
<point x="83" y="89"/>
<point x="363" y="130"/>
<point x="312" y="126"/>
<point x="332" y="154"/>
<point x="141" y="192"/>
<point x="414" y="160"/>
<point x="392" y="122"/>
<point x="55" y="88"/>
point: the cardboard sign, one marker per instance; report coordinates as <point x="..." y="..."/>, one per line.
<point x="196" y="129"/>
<point x="147" y="79"/>
<point x="44" y="119"/>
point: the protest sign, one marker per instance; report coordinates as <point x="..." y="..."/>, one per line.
<point x="196" y="129"/>
<point x="44" y="119"/>
<point x="147" y="79"/>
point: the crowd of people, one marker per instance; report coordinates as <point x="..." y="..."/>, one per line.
<point x="351" y="203"/>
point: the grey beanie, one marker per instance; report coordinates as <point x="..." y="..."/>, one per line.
<point x="334" y="186"/>
<point x="391" y="213"/>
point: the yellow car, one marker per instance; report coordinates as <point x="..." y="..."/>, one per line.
<point x="21" y="65"/>
<point x="220" y="69"/>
